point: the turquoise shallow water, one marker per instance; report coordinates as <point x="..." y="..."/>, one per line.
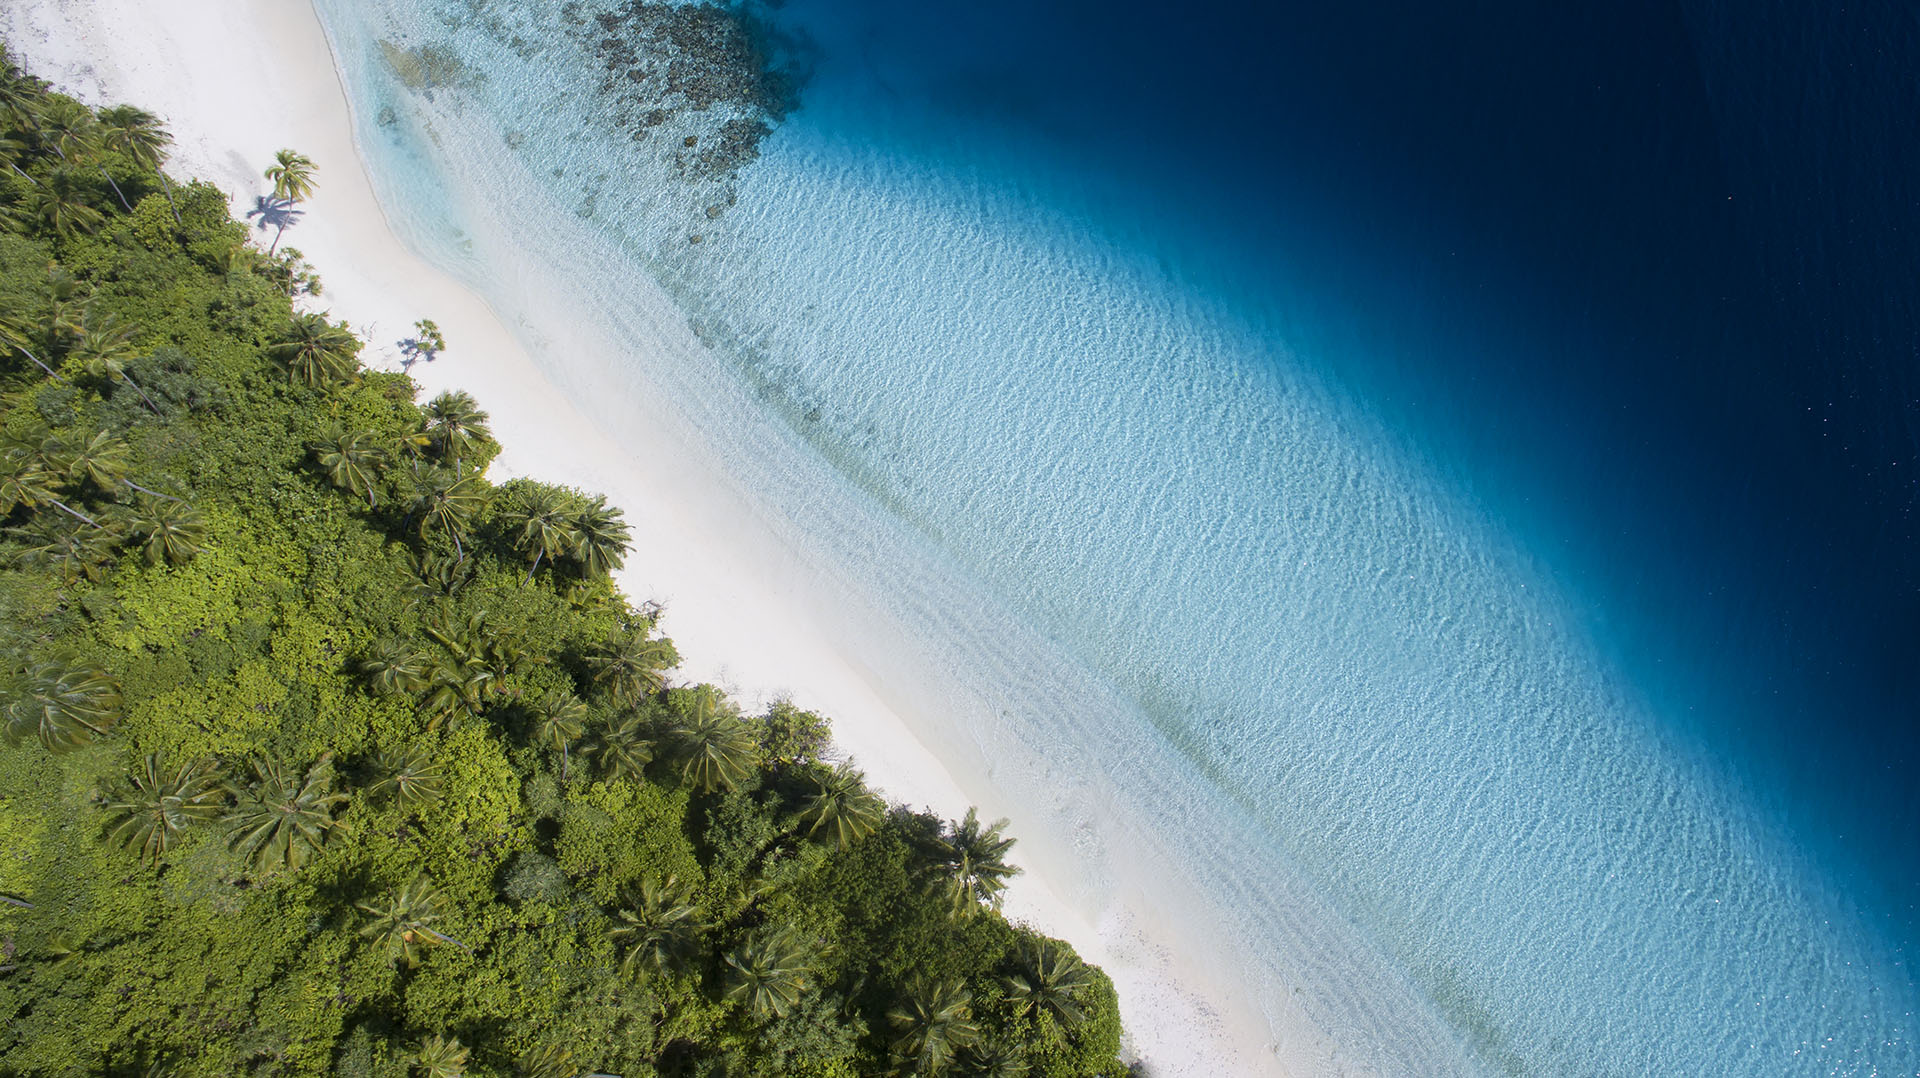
<point x="1194" y="588"/>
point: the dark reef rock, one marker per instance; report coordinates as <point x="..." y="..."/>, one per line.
<point x="717" y="73"/>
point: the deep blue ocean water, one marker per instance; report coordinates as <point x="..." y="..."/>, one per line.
<point x="1478" y="445"/>
<point x="1645" y="277"/>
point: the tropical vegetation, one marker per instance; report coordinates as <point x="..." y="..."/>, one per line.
<point x="325" y="754"/>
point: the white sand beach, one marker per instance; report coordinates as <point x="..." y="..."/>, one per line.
<point x="237" y="80"/>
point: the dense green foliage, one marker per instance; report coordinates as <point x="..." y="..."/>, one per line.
<point x="324" y="754"/>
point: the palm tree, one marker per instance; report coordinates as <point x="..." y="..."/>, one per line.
<point x="995" y="1061"/>
<point x="166" y="530"/>
<point x="769" y="973"/>
<point x="67" y="127"/>
<point x="317" y="352"/>
<point x="716" y="750"/>
<point x="440" y="1057"/>
<point x="351" y="460"/>
<point x="21" y="94"/>
<point x="449" y="502"/>
<point x="281" y="820"/>
<point x="623" y="748"/>
<point x="137" y="134"/>
<point x="603" y="537"/>
<point x="61" y="203"/>
<point x="393" y="668"/>
<point x="26" y="480"/>
<point x="409" y="776"/>
<point x="292" y="176"/>
<point x="17" y="333"/>
<point x="1052" y="981"/>
<point x="935" y="1021"/>
<point x="473" y="644"/>
<point x="61" y="321"/>
<point x="404" y="919"/>
<point x="74" y="554"/>
<point x="546" y="1061"/>
<point x="456" y="424"/>
<point x="13" y="151"/>
<point x="64" y="702"/>
<point x="559" y="718"/>
<point x="629" y="666"/>
<point x="104" y="348"/>
<point x="457" y="688"/>
<point x="441" y="576"/>
<point x="658" y="929"/>
<point x="974" y="860"/>
<point x="161" y="804"/>
<point x="23" y="481"/>
<point x="544" y="528"/>
<point x="102" y="460"/>
<point x="843" y="806"/>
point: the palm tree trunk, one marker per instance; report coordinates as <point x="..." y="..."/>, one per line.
<point x="276" y="240"/>
<point x="64" y="507"/>
<point x="42" y="366"/>
<point x="155" y="493"/>
<point x="168" y="188"/>
<point x="142" y="392"/>
<point x="23" y="175"/>
<point x="116" y="189"/>
<point x="536" y="566"/>
<point x="446" y="939"/>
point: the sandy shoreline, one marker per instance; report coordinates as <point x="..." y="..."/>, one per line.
<point x="239" y="80"/>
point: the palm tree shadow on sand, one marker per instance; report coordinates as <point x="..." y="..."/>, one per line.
<point x="275" y="213"/>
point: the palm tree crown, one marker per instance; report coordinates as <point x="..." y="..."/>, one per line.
<point x="1052" y="981"/>
<point x="352" y="461"/>
<point x="404" y="919"/>
<point x="935" y="1021"/>
<point x="292" y="176"/>
<point x="974" y="859"/>
<point x="543" y="527"/>
<point x="409" y="776"/>
<point x="624" y="747"/>
<point x="166" y="531"/>
<point x="658" y="928"/>
<point x="104" y="349"/>
<point x="63" y="204"/>
<point x="716" y="750"/>
<point x="63" y="702"/>
<point x="768" y="973"/>
<point x="603" y="537"/>
<point x="318" y="353"/>
<point x="282" y="820"/>
<point x="629" y="666"/>
<point x="68" y="127"/>
<point x="842" y="806"/>
<point x="102" y="460"/>
<point x="161" y="804"/>
<point x="136" y="133"/>
<point x="448" y="503"/>
<point x="393" y="667"/>
<point x="559" y="718"/>
<point x="455" y="425"/>
<point x="441" y="1057"/>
